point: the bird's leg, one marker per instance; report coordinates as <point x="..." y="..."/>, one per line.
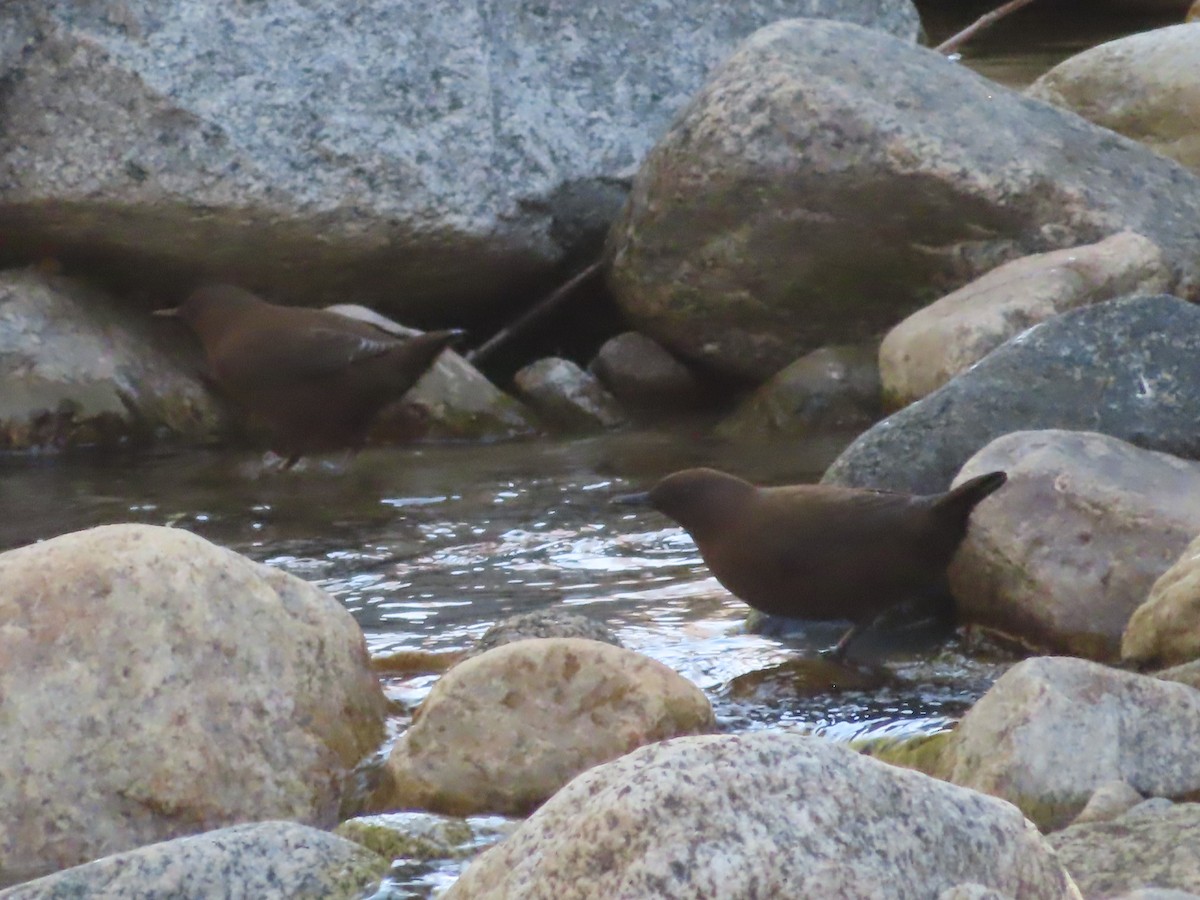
<point x="838" y="653"/>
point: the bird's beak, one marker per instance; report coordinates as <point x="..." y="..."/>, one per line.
<point x="642" y="498"/>
<point x="172" y="312"/>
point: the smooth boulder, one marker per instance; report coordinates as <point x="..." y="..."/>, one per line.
<point x="502" y="731"/>
<point x="1125" y="368"/>
<point x="1165" y="629"/>
<point x="568" y="397"/>
<point x="1143" y="86"/>
<point x="1052" y="730"/>
<point x="644" y="376"/>
<point x="769" y="814"/>
<point x="830" y="180"/>
<point x="155" y="685"/>
<point x="1069" y="549"/>
<point x="950" y="335"/>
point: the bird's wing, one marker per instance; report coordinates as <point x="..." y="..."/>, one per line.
<point x="265" y="357"/>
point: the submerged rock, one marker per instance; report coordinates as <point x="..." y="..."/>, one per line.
<point x="568" y="397"/>
<point x="1052" y="730"/>
<point x="1165" y="630"/>
<point x="155" y="685"/>
<point x="265" y="860"/>
<point x="771" y="814"/>
<point x="503" y="731"/>
<point x="1062" y="556"/>
<point x="947" y="337"/>
<point x="77" y="370"/>
<point x="543" y="623"/>
<point x="829" y="180"/>
<point x="1125" y="368"/>
<point x="416" y="155"/>
<point x="1143" y="86"/>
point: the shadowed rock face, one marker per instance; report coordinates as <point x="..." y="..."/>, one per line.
<point x="407" y="154"/>
<point x="829" y="180"/>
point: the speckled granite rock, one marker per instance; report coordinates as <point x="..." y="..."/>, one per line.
<point x="568" y="397"/>
<point x="426" y="836"/>
<point x="1125" y="368"/>
<point x="1165" y="630"/>
<point x="950" y="335"/>
<point x="1052" y="730"/>
<point x="1148" y="847"/>
<point x="543" y="623"/>
<point x="410" y="154"/>
<point x="812" y="194"/>
<point x="1143" y="86"/>
<point x="503" y="731"/>
<point x="1108" y="801"/>
<point x="265" y="860"/>
<point x="76" y="369"/>
<point x="156" y="685"/>
<point x="1063" y="555"/>
<point x="831" y="388"/>
<point x="771" y="814"/>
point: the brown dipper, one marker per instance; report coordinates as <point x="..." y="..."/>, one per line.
<point x="315" y="379"/>
<point x="818" y="551"/>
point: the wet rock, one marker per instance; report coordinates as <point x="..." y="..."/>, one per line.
<point x="1125" y="368"/>
<point x="1165" y="630"/>
<point x="452" y="400"/>
<point x="642" y="375"/>
<point x="77" y="370"/>
<point x="503" y="731"/>
<point x="265" y="860"/>
<point x="831" y="388"/>
<point x="772" y="814"/>
<point x="417" y="155"/>
<point x="947" y="337"/>
<point x="155" y="685"/>
<point x="424" y="836"/>
<point x="1109" y="800"/>
<point x="810" y="195"/>
<point x="1062" y="555"/>
<point x="568" y="397"/>
<point x="1052" y="730"/>
<point x="1143" y="849"/>
<point x="549" y="623"/>
<point x="1143" y="86"/>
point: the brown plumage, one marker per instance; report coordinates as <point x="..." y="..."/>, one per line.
<point x="818" y="551"/>
<point x="315" y="379"/>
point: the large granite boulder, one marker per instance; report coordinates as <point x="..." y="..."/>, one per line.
<point x="405" y="153"/>
<point x="1143" y="86"/>
<point x="265" y="860"/>
<point x="1053" y="730"/>
<point x="502" y="731"/>
<point x="154" y="685"/>
<point x="950" y="335"/>
<point x="76" y="369"/>
<point x="1165" y="630"/>
<point x="1125" y="368"/>
<point x="1062" y="556"/>
<point x="830" y="180"/>
<point x="772" y="814"/>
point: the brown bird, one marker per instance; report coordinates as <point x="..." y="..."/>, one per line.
<point x="315" y="379"/>
<point x="817" y="551"/>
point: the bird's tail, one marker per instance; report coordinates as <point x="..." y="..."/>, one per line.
<point x="958" y="502"/>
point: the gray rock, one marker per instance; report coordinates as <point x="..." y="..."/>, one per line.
<point x="1165" y="630"/>
<point x="502" y="731"/>
<point x="568" y="397"/>
<point x="1052" y="730"/>
<point x="155" y="685"/>
<point x="971" y="891"/>
<point x="770" y="814"/>
<point x="828" y="389"/>
<point x="75" y="369"/>
<point x="1108" y="801"/>
<point x="1159" y="852"/>
<point x="543" y="624"/>
<point x="1126" y="368"/>
<point x="425" y="836"/>
<point x="947" y="337"/>
<point x="813" y="193"/>
<point x="1064" y="553"/>
<point x="265" y="860"/>
<point x="407" y="154"/>
<point x="1143" y="86"/>
<point x="644" y="376"/>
